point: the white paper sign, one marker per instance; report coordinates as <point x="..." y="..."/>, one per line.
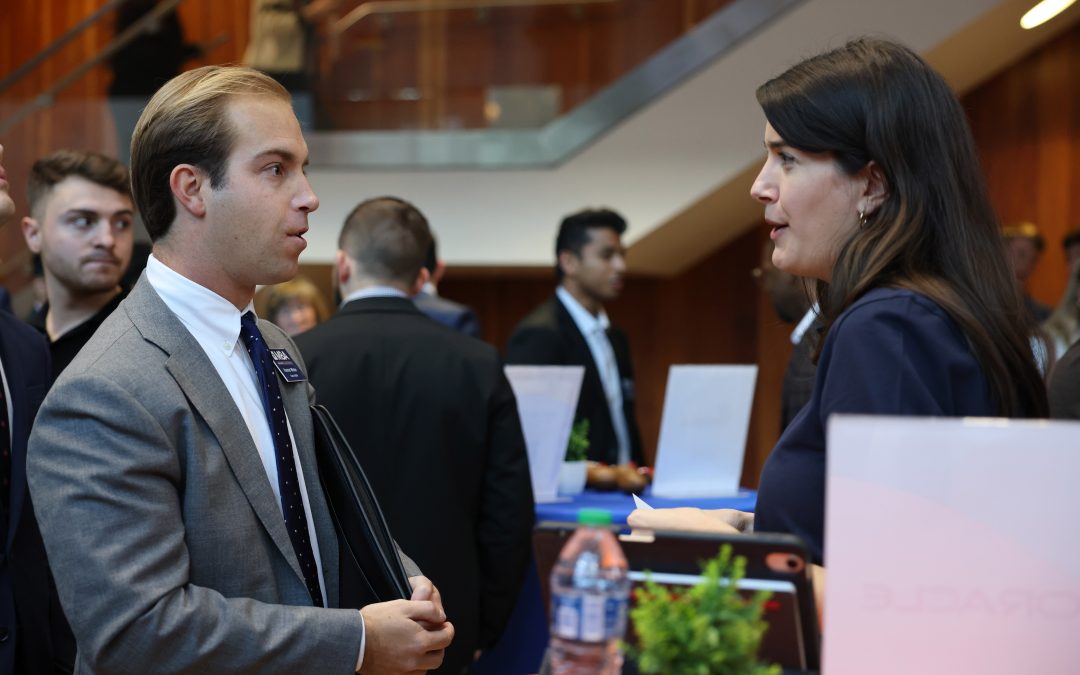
<point x="703" y="431"/>
<point x="952" y="546"/>
<point x="546" y="400"/>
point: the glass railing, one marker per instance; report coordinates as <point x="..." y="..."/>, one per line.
<point x="487" y="64"/>
<point x="574" y="82"/>
<point x="383" y="83"/>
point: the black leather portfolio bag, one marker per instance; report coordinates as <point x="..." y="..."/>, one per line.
<point x="371" y="570"/>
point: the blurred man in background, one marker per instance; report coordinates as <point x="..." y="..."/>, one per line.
<point x="572" y="329"/>
<point x="81" y="223"/>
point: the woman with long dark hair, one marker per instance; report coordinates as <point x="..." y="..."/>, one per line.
<point x="872" y="187"/>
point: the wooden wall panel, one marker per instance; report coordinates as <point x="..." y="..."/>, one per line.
<point x="1026" y="123"/>
<point x="80" y="118"/>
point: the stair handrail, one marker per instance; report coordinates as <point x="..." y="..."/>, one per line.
<point x="48" y="97"/>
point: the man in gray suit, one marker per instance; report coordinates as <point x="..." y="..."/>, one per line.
<point x="172" y="464"/>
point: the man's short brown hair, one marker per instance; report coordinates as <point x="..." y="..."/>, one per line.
<point x="186" y="122"/>
<point x="388" y="238"/>
<point x="92" y="166"/>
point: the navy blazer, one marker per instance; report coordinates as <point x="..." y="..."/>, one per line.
<point x="449" y="313"/>
<point x="549" y="336"/>
<point x="34" y="636"/>
<point x="892" y="352"/>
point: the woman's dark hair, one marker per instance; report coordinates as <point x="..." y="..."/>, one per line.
<point x="935" y="232"/>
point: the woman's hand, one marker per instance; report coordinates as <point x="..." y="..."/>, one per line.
<point x="688" y="519"/>
<point x="817" y="577"/>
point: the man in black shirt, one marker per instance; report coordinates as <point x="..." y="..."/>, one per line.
<point x="81" y="226"/>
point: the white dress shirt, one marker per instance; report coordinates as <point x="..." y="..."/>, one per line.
<point x="215" y="324"/>
<point x="804" y="324"/>
<point x="594" y="328"/>
<point x="375" y="292"/>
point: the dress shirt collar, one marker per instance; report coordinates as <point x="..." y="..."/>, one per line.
<point x="375" y="292"/>
<point x="210" y="318"/>
<point x="586" y="322"/>
<point x="804" y="324"/>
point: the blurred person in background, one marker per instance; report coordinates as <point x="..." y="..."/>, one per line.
<point x="460" y="317"/>
<point x="1023" y="248"/>
<point x="80" y="223"/>
<point x="571" y="328"/>
<point x="279" y="45"/>
<point x="1063" y="326"/>
<point x="34" y="635"/>
<point x="144" y="64"/>
<point x="1070" y="243"/>
<point x="293" y="306"/>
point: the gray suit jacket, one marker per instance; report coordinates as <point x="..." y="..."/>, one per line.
<point x="168" y="546"/>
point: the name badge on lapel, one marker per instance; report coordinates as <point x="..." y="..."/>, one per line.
<point x="286" y="366"/>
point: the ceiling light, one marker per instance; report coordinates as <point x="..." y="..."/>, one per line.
<point x="1043" y="12"/>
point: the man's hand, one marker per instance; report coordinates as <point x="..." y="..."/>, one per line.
<point x="721" y="521"/>
<point x="405" y="636"/>
<point x="424" y="589"/>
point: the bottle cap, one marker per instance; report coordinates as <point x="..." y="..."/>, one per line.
<point x="594" y="517"/>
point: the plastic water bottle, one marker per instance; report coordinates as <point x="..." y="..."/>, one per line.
<point x="589" y="595"/>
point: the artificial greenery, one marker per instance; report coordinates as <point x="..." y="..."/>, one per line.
<point x="577" y="449"/>
<point x="707" y="629"/>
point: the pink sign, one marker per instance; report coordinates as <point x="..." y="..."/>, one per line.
<point x="952" y="546"/>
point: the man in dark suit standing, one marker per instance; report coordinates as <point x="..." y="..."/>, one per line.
<point x="30" y="616"/>
<point x="172" y="464"/>
<point x="460" y="317"/>
<point x="572" y="329"/>
<point x="434" y="422"/>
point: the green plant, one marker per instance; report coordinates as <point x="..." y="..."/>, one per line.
<point x="707" y="629"/>
<point x="577" y="449"/>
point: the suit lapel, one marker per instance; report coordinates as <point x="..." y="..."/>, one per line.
<point x="201" y="384"/>
<point x="581" y="347"/>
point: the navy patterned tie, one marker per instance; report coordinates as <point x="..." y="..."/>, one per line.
<point x="292" y="504"/>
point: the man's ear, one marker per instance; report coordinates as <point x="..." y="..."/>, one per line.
<point x="421" y="279"/>
<point x="568" y="262"/>
<point x="31" y="232"/>
<point x="343" y="272"/>
<point x="186" y="183"/>
<point x="440" y="270"/>
<point x="877" y="187"/>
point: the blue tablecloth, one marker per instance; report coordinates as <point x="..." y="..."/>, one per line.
<point x="620" y="505"/>
<point x="521" y="647"/>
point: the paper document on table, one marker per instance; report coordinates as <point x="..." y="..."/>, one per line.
<point x="640" y="503"/>
<point x="546" y="400"/>
<point x="703" y="430"/>
<point x="952" y="546"/>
